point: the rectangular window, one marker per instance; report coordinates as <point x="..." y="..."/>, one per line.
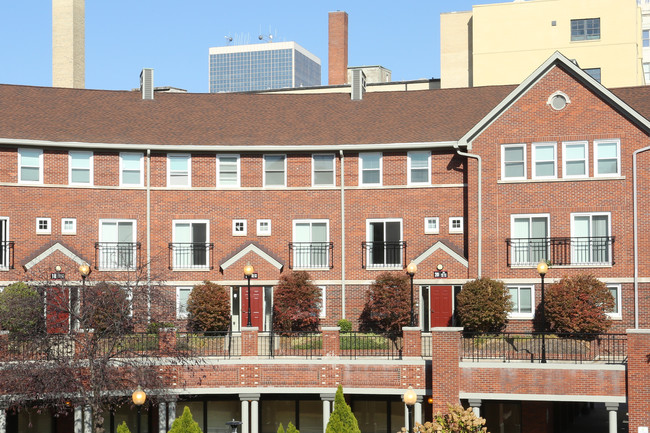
<point x="384" y="243"/>
<point x="513" y="161"/>
<point x="190" y="244"/>
<point x="646" y="38"/>
<point x="30" y="165"/>
<point x="68" y="226"/>
<point x="323" y="170"/>
<point x="131" y="169"/>
<point x="117" y="247"/>
<point x="275" y="170"/>
<point x="310" y="244"/>
<point x="575" y="159"/>
<point x="544" y="160"/>
<point x="590" y="239"/>
<point x="522" y="299"/>
<point x="615" y="290"/>
<point x="43" y="226"/>
<point x="607" y="157"/>
<point x="182" y="296"/>
<point x="456" y="225"/>
<point x="179" y="169"/>
<point x="431" y="225"/>
<point x="228" y="171"/>
<point x="263" y="227"/>
<point x="80" y="164"/>
<point x="585" y="29"/>
<point x="370" y="165"/>
<point x="593" y="73"/>
<point x="529" y="239"/>
<point x="239" y="228"/>
<point x="419" y="168"/>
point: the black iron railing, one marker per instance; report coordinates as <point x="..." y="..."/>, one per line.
<point x="117" y="255"/>
<point x="6" y="254"/>
<point x="353" y="345"/>
<point x="577" y="251"/>
<point x="391" y="254"/>
<point x="290" y="344"/>
<point x="311" y="255"/>
<point x="219" y="344"/>
<point x="190" y="255"/>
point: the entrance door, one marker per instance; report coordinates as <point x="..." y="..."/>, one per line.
<point x="441" y="305"/>
<point x="257" y="306"/>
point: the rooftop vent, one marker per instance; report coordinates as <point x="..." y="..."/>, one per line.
<point x="146" y="83"/>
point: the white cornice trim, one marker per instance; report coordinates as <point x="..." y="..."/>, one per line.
<point x="56" y="247"/>
<point x="542" y="397"/>
<point x="441" y="246"/>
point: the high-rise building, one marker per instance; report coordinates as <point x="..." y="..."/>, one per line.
<point x="276" y="65"/>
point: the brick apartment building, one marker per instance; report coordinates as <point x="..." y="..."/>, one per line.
<point x="468" y="182"/>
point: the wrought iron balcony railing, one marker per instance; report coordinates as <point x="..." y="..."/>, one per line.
<point x="311" y="255"/>
<point x="386" y="254"/>
<point x="190" y="255"/>
<point x="6" y="254"/>
<point x="117" y="255"/>
<point x="580" y="251"/>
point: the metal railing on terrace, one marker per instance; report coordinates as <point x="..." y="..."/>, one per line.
<point x="290" y="344"/>
<point x="354" y="345"/>
<point x="6" y="254"/>
<point x="190" y="255"/>
<point x="220" y="344"/>
<point x="391" y="254"/>
<point x="117" y="255"/>
<point x="577" y="251"/>
<point x="311" y="255"/>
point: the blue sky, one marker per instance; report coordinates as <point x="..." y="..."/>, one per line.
<point x="173" y="37"/>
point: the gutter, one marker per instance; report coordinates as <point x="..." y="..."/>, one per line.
<point x="148" y="236"/>
<point x="636" y="236"/>
<point x="342" y="234"/>
<point x="479" y="209"/>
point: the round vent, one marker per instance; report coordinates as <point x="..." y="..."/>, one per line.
<point x="558" y="101"/>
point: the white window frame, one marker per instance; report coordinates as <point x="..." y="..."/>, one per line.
<point x="313" y="170"/>
<point x="237" y="167"/>
<point x="206" y="265"/>
<point x="72" y="231"/>
<point x="4" y="241"/>
<point x="90" y="155"/>
<point x="431" y="231"/>
<point x="574" y="254"/>
<point x="503" y="161"/>
<point x="565" y="159"/>
<point x="260" y="230"/>
<point x="513" y="248"/>
<point x="618" y="158"/>
<point x="182" y="314"/>
<point x="187" y="172"/>
<point x="284" y="172"/>
<point x="323" y="302"/>
<point x="243" y="231"/>
<point x="534" y="161"/>
<point x="296" y="252"/>
<point x="21" y="152"/>
<point x="369" y="263"/>
<point x="140" y="169"/>
<point x="516" y="312"/>
<point x="362" y="169"/>
<point x="617" y="314"/>
<point x="410" y="168"/>
<point x="44" y="231"/>
<point x="452" y="229"/>
<point x="104" y="266"/>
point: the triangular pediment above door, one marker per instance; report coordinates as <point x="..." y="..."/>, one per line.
<point x="254" y="249"/>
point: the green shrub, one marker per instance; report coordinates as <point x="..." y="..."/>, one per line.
<point x="209" y="308"/>
<point x="21" y="310"/>
<point x="155" y="327"/>
<point x="185" y="423"/>
<point x="292" y="428"/>
<point x="280" y="428"/>
<point x="345" y="325"/>
<point x="123" y="428"/>
<point x="342" y="420"/>
<point x="388" y="306"/>
<point x="362" y="342"/>
<point x="483" y="305"/>
<point x="296" y="303"/>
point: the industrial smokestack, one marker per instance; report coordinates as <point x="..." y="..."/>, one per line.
<point x="68" y="43"/>
<point x="338" y="48"/>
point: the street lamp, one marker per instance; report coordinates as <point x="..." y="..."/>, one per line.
<point x="84" y="271"/>
<point x="139" y="397"/>
<point x="410" y="397"/>
<point x="542" y="268"/>
<point x="248" y="272"/>
<point x="411" y="269"/>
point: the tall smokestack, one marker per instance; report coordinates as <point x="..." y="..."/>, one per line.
<point x="68" y="43"/>
<point x="338" y="48"/>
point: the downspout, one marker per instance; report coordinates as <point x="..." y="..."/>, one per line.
<point x="636" y="241"/>
<point x="480" y="214"/>
<point x="342" y="235"/>
<point x="148" y="235"/>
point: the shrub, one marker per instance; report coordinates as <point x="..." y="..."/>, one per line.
<point x="123" y="428"/>
<point x="21" y="310"/>
<point x="185" y="423"/>
<point x="578" y="304"/>
<point x="280" y="428"/>
<point x="345" y="325"/>
<point x="296" y="303"/>
<point x="154" y="327"/>
<point x="342" y="420"/>
<point x="292" y="428"/>
<point x="209" y="308"/>
<point x="107" y="309"/>
<point x="388" y="306"/>
<point x="483" y="305"/>
<point x="457" y="420"/>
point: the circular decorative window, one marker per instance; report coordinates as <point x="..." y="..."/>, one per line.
<point x="558" y="100"/>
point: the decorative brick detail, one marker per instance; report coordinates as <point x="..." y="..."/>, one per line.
<point x="445" y="369"/>
<point x="249" y="341"/>
<point x="412" y="341"/>
<point x="638" y="377"/>
<point x="331" y="341"/>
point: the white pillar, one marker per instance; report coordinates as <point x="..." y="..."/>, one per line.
<point x="88" y="419"/>
<point x="475" y="404"/>
<point x="162" y="417"/>
<point x="3" y="420"/>
<point x="328" y="399"/>
<point x="244" y="416"/>
<point x="255" y="423"/>
<point x="171" y="413"/>
<point x="407" y="418"/>
<point x="613" y="422"/>
<point x="78" y="419"/>
<point x="417" y="411"/>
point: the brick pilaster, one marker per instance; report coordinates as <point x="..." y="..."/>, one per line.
<point x="249" y="341"/>
<point x="412" y="341"/>
<point x="445" y="367"/>
<point x="638" y="377"/>
<point x="331" y="341"/>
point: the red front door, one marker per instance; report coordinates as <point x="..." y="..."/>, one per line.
<point x="57" y="304"/>
<point x="257" y="306"/>
<point x="441" y="305"/>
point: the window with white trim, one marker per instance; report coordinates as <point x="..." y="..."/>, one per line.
<point x="455" y="224"/>
<point x="117" y="247"/>
<point x="370" y="168"/>
<point x="68" y="226"/>
<point x="43" y="226"/>
<point x="522" y="297"/>
<point x="575" y="159"/>
<point x="239" y="228"/>
<point x="384" y="243"/>
<point x="431" y="225"/>
<point x="310" y="244"/>
<point x="529" y="243"/>
<point x="182" y="296"/>
<point x="190" y="244"/>
<point x="264" y="227"/>
<point x="275" y="170"/>
<point x="30" y="165"/>
<point x="323" y="169"/>
<point x="513" y="161"/>
<point x="544" y="160"/>
<point x="419" y="167"/>
<point x="322" y="305"/>
<point x="228" y="171"/>
<point x="80" y="171"/>
<point x="5" y="245"/>
<point x="179" y="169"/>
<point x="590" y="238"/>
<point x="131" y="169"/>
<point x="615" y="290"/>
<point x="607" y="158"/>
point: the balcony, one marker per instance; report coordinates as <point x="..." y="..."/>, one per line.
<point x="578" y="252"/>
<point x="385" y="254"/>
<point x="190" y="256"/>
<point x="6" y="255"/>
<point x="117" y="255"/>
<point x="311" y="255"/>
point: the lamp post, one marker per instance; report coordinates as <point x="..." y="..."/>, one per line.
<point x="139" y="397"/>
<point x="248" y="272"/>
<point x="411" y="269"/>
<point x="410" y="397"/>
<point x="84" y="271"/>
<point x="542" y="268"/>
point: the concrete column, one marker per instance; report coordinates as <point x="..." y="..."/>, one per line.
<point x="3" y="420"/>
<point x="612" y="408"/>
<point x="328" y="400"/>
<point x="250" y="420"/>
<point x="407" y="418"/>
<point x="244" y="416"/>
<point x="88" y="419"/>
<point x="475" y="404"/>
<point x="255" y="423"/>
<point x="78" y="419"/>
<point x="171" y="412"/>
<point x="162" y="417"/>
<point x="417" y="411"/>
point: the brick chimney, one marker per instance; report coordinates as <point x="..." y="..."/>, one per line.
<point x="338" y="48"/>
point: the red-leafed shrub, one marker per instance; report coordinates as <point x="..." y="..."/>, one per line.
<point x="209" y="308"/>
<point x="388" y="306"/>
<point x="107" y="309"/>
<point x="578" y="305"/>
<point x="296" y="303"/>
<point x="483" y="305"/>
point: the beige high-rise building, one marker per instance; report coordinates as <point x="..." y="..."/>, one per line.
<point x="68" y="43"/>
<point x="501" y="43"/>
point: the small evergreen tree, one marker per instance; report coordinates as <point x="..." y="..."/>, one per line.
<point x="123" y="428"/>
<point x="280" y="428"/>
<point x="209" y="308"/>
<point x="292" y="428"/>
<point x="296" y="303"/>
<point x="21" y="311"/>
<point x="483" y="305"/>
<point x="185" y="423"/>
<point x="342" y="420"/>
<point x="388" y="306"/>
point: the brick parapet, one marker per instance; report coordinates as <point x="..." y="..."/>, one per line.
<point x="331" y="340"/>
<point x="249" y="344"/>
<point x="412" y="341"/>
<point x="445" y="367"/>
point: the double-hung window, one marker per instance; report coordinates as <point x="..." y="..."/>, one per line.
<point x="590" y="239"/>
<point x="384" y="242"/>
<point x="575" y="159"/>
<point x="179" y="169"/>
<point x="513" y="161"/>
<point x="529" y="241"/>
<point x="323" y="169"/>
<point x="311" y="244"/>
<point x="419" y="168"/>
<point x="544" y="160"/>
<point x="585" y="29"/>
<point x="275" y="170"/>
<point x="182" y="297"/>
<point x="5" y="245"/>
<point x="30" y="165"/>
<point x="131" y="169"/>
<point x="370" y="167"/>
<point x="117" y="246"/>
<point x="228" y="171"/>
<point x="607" y="158"/>
<point x="190" y="244"/>
<point x="522" y="302"/>
<point x="80" y="170"/>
